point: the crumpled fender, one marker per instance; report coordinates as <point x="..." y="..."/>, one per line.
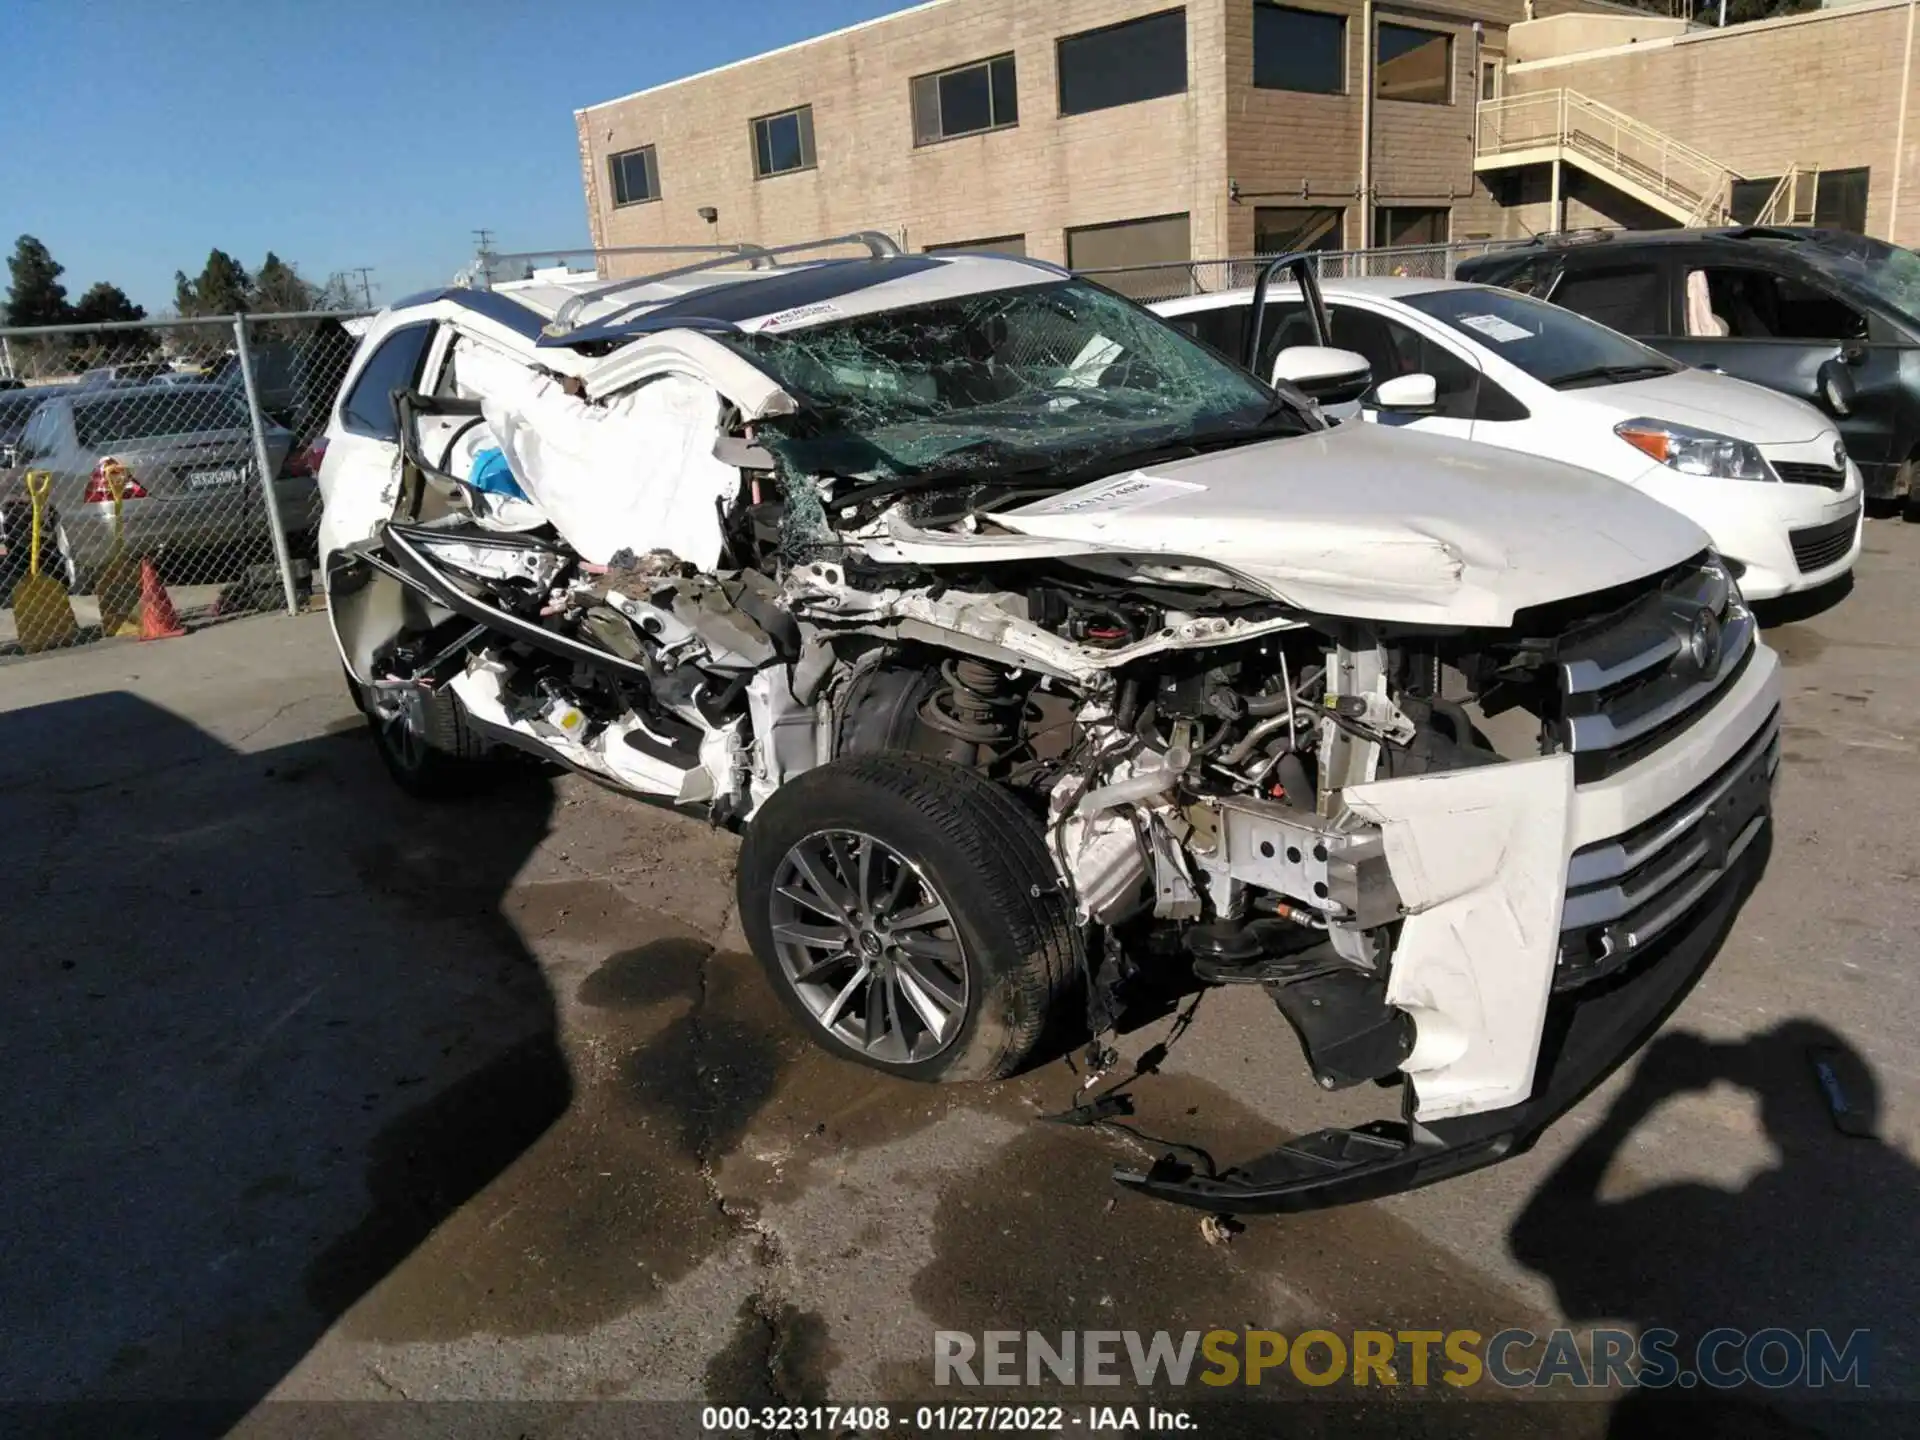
<point x="1479" y="857"/>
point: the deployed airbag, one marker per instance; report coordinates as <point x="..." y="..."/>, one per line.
<point x="635" y="473"/>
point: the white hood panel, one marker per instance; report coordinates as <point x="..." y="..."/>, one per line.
<point x="1718" y="403"/>
<point x="1372" y="523"/>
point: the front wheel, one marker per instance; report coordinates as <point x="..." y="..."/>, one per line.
<point x="907" y="913"/>
<point x="426" y="743"/>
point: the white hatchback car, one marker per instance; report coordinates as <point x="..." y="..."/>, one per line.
<point x="1764" y="474"/>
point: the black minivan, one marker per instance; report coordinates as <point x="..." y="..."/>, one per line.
<point x="1825" y="315"/>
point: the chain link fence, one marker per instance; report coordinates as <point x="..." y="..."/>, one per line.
<point x="167" y="468"/>
<point x="1148" y="283"/>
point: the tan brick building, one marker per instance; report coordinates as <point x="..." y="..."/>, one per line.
<point x="1830" y="92"/>
<point x="1107" y="132"/>
<point x="1089" y="132"/>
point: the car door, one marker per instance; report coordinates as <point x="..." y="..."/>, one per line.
<point x="361" y="472"/>
<point x="1791" y="332"/>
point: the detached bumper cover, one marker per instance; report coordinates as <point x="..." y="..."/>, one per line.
<point x="1589" y="1033"/>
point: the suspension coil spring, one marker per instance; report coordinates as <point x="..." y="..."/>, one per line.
<point x="977" y="706"/>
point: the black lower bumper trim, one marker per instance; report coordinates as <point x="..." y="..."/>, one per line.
<point x="1589" y="1033"/>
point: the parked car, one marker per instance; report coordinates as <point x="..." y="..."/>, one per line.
<point x="1762" y="473"/>
<point x="188" y="450"/>
<point x="126" y="372"/>
<point x="1828" y="317"/>
<point x="1033" y="645"/>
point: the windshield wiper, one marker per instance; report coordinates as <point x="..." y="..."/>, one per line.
<point x="1643" y="371"/>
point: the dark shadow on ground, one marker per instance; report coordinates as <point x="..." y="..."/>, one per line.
<point x="1804" y="605"/>
<point x="1818" y="1240"/>
<point x="263" y="1027"/>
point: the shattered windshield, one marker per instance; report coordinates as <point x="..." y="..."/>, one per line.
<point x="1886" y="273"/>
<point x="1044" y="378"/>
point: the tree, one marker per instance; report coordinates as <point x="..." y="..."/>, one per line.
<point x="36" y="296"/>
<point x="103" y="303"/>
<point x="222" y="287"/>
<point x="278" y="287"/>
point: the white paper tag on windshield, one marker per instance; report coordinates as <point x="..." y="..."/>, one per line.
<point x="1112" y="497"/>
<point x="1496" y="327"/>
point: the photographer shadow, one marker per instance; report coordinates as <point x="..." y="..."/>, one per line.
<point x="1814" y="1241"/>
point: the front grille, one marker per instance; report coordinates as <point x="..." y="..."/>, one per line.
<point x="1635" y="680"/>
<point x="1796" y="473"/>
<point x="1818" y="546"/>
<point x="1623" y="892"/>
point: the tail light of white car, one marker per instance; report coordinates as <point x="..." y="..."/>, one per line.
<point x="100" y="492"/>
<point x="304" y="463"/>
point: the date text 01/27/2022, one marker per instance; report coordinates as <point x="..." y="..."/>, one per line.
<point x="938" y="1419"/>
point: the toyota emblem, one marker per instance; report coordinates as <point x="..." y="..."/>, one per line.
<point x="1703" y="642"/>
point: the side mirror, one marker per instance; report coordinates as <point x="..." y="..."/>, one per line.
<point x="1324" y="374"/>
<point x="1837" y="390"/>
<point x="1407" y="392"/>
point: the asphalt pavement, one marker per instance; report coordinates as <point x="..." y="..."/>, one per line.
<point x="311" y="1093"/>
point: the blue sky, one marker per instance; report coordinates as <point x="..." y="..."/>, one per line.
<point x="137" y="134"/>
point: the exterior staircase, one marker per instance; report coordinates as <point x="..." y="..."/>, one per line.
<point x="1662" y="173"/>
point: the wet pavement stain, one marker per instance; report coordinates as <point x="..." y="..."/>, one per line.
<point x="646" y="975"/>
<point x="777" y="1355"/>
<point x="1027" y="1241"/>
<point x="632" y="1185"/>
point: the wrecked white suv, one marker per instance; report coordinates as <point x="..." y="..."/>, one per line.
<point x="1040" y="654"/>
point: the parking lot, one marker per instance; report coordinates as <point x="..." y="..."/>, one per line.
<point x="313" y="1093"/>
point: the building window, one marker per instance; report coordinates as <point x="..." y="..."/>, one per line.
<point x="1749" y="197"/>
<point x="1489" y="79"/>
<point x="1840" y="200"/>
<point x="1146" y="259"/>
<point x="1412" y="64"/>
<point x="1283" y="229"/>
<point x="783" y="142"/>
<point x="998" y="245"/>
<point x="636" y="176"/>
<point x="965" y="101"/>
<point x="1299" y="50"/>
<point x="1122" y="64"/>
<point x="1410" y="225"/>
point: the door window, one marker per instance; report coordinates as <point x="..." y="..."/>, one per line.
<point x="1223" y="330"/>
<point x="394" y="366"/>
<point x="1393" y="349"/>
<point x="1627" y="298"/>
<point x="1748" y="304"/>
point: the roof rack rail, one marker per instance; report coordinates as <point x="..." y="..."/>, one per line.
<point x="1771" y="232"/>
<point x="1584" y="235"/>
<point x="879" y="247"/>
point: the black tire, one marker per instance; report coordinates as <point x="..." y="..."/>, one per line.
<point x="977" y="853"/>
<point x="445" y="760"/>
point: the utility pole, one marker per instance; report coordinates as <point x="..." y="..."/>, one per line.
<point x="483" y="244"/>
<point x="366" y="284"/>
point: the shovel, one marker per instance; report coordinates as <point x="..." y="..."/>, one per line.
<point x="42" y="613"/>
<point x="118" y="587"/>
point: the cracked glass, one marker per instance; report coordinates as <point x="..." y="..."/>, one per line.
<point x="1046" y="378"/>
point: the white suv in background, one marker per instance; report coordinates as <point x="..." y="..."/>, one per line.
<point x="1762" y="473"/>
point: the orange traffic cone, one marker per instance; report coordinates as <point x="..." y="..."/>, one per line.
<point x="158" y="620"/>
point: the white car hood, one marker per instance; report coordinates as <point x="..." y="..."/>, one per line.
<point x="1372" y="523"/>
<point x="1718" y="403"/>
